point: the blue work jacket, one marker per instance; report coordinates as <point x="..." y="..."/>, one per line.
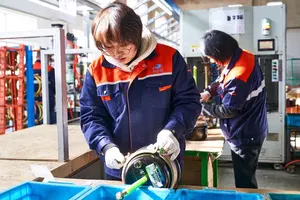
<point x="242" y="113"/>
<point x="129" y="109"/>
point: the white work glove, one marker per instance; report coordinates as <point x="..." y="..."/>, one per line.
<point x="114" y="159"/>
<point x="204" y="96"/>
<point x="168" y="142"/>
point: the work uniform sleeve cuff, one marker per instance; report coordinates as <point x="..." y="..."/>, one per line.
<point x="176" y="128"/>
<point x="108" y="146"/>
<point x="100" y="147"/>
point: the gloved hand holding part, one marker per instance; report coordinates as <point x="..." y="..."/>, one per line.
<point x="204" y="96"/>
<point x="114" y="159"/>
<point x="168" y="142"/>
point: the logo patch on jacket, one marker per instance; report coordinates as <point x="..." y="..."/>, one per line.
<point x="157" y="68"/>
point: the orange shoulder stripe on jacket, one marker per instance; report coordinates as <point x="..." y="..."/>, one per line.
<point x="161" y="64"/>
<point x="242" y="69"/>
<point x="95" y="64"/>
<point x="106" y="75"/>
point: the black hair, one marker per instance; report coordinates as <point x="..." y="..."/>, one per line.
<point x="219" y="45"/>
<point x="117" y="23"/>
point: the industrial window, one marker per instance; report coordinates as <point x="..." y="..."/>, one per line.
<point x="15" y="21"/>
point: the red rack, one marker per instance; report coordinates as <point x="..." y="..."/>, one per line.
<point x="12" y="76"/>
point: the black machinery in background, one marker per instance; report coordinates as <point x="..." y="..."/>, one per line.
<point x="265" y="62"/>
<point x="204" y="74"/>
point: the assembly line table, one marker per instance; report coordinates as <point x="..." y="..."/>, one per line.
<point x="20" y="150"/>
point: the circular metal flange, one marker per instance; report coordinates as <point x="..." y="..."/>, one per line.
<point x="134" y="168"/>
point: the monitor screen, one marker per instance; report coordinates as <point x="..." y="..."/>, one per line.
<point x="266" y="45"/>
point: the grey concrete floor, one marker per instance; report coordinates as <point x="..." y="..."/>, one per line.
<point x="267" y="178"/>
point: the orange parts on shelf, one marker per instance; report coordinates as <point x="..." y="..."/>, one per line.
<point x="3" y="66"/>
<point x="12" y="79"/>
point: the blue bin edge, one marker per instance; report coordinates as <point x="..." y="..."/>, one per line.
<point x="172" y="191"/>
<point x="290" y="195"/>
<point x="85" y="188"/>
<point x="178" y="191"/>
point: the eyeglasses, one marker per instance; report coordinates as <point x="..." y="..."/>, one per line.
<point x="110" y="51"/>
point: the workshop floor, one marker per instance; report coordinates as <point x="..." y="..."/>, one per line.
<point x="267" y="178"/>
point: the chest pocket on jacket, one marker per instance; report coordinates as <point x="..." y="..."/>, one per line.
<point x="158" y="92"/>
<point x="112" y="98"/>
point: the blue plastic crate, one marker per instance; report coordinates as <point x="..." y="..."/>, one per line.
<point x="208" y="194"/>
<point x="273" y="196"/>
<point x="43" y="191"/>
<point x="293" y="120"/>
<point x="106" y="192"/>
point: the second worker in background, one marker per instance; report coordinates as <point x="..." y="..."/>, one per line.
<point x="242" y="111"/>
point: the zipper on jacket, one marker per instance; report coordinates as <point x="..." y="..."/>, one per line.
<point x="127" y="99"/>
<point x="128" y="107"/>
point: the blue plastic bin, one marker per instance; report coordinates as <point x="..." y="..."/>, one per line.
<point x="208" y="194"/>
<point x="273" y="196"/>
<point x="293" y="120"/>
<point x="43" y="191"/>
<point x="143" y="193"/>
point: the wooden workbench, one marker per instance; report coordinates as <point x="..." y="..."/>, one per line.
<point x="201" y="160"/>
<point x="39" y="143"/>
<point x="212" y="144"/>
<point x="38" y="146"/>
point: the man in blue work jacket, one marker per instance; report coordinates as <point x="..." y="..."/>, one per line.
<point x="136" y="93"/>
<point x="242" y="112"/>
<point x="51" y="81"/>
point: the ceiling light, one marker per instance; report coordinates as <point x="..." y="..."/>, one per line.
<point x="276" y="3"/>
<point x="235" y="5"/>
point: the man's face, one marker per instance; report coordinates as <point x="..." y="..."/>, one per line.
<point x="122" y="53"/>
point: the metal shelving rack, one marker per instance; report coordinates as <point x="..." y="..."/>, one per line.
<point x="293" y="123"/>
<point x="12" y="86"/>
